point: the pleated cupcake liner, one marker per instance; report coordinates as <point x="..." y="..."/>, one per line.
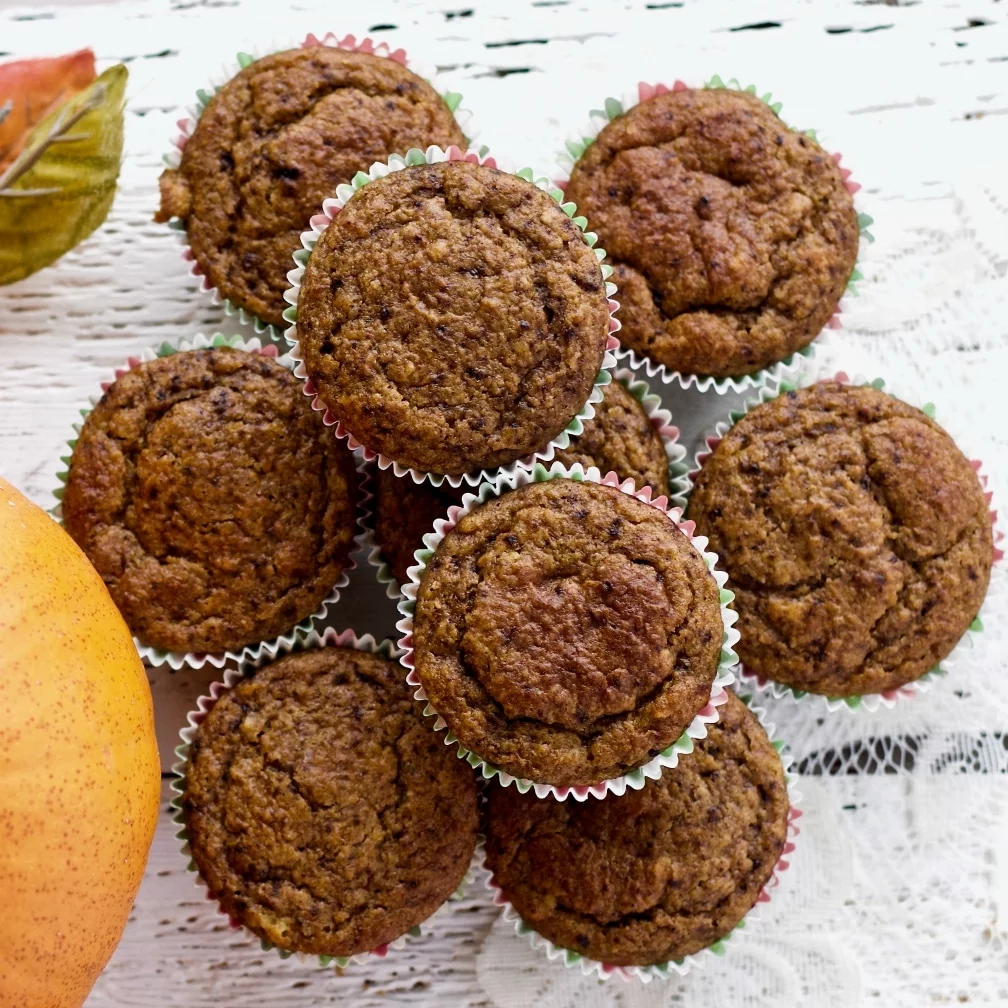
<point x="322" y="220"/>
<point x="669" y="757"/>
<point x="673" y="967"/>
<point x="660" y="419"/>
<point x="187" y="125"/>
<point x="262" y="649"/>
<point x="795" y="364"/>
<point x="992" y="602"/>
<point x="375" y="557"/>
<point x="302" y="641"/>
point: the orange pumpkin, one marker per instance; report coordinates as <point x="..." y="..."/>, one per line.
<point x="79" y="770"/>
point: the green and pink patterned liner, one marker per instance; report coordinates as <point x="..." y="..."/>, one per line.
<point x="871" y="702"/>
<point x="673" y="967"/>
<point x="187" y="125"/>
<point x="660" y="419"/>
<point x="724" y="676"/>
<point x="793" y="365"/>
<point x="331" y="207"/>
<point x="197" y="659"/>
<point x="302" y="642"/>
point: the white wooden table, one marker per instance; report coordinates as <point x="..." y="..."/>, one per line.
<point x="900" y="891"/>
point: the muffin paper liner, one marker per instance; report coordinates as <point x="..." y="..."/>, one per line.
<point x="793" y="365"/>
<point x="724" y="676"/>
<point x="193" y="659"/>
<point x="868" y="701"/>
<point x="331" y="207"/>
<point x="661" y="421"/>
<point x="302" y="641"/>
<point x="187" y="125"/>
<point x="674" y="967"/>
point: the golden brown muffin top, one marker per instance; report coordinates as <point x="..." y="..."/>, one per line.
<point x="212" y="500"/>
<point x="274" y="142"/>
<point x="452" y="317"/>
<point x="322" y="813"/>
<point x="732" y="237"/>
<point x="655" y="874"/>
<point x="855" y="536"/>
<point x="621" y="439"/>
<point x="567" y="632"/>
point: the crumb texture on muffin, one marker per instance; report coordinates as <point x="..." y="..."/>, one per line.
<point x="404" y="512"/>
<point x="567" y="632"/>
<point x="655" y="874"/>
<point x="211" y="499"/>
<point x="732" y="236"/>
<point x="274" y="142"/>
<point x="452" y="317"/>
<point x="321" y="812"/>
<point x="855" y="535"/>
<point x="620" y="439"/>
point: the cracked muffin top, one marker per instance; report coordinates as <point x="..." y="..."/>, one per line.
<point x="567" y="632"/>
<point x="452" y="317"/>
<point x="732" y="237"/>
<point x="855" y="535"/>
<point x="321" y="812"/>
<point x="619" y="437"/>
<point x="655" y="874"/>
<point x="274" y="142"/>
<point x="212" y="500"/>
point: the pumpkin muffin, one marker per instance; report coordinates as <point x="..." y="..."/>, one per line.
<point x="732" y="237"/>
<point x="652" y="875"/>
<point x="855" y="535"/>
<point x="452" y="317"/>
<point x="212" y="500"/>
<point x="619" y="438"/>
<point x="567" y="632"/>
<point x="273" y="143"/>
<point x="404" y="512"/>
<point x="321" y="812"/>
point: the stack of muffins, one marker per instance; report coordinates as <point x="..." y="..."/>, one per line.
<point x="564" y="628"/>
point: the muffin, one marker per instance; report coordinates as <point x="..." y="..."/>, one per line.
<point x="656" y="874"/>
<point x="619" y="438"/>
<point x="273" y="143"/>
<point x="855" y="535"/>
<point x="321" y="812"/>
<point x="566" y="632"/>
<point x="404" y="512"/>
<point x="732" y="237"/>
<point x="452" y="317"/>
<point x="211" y="499"/>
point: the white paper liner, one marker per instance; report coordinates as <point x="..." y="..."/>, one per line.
<point x="269" y="648"/>
<point x="331" y="207"/>
<point x="187" y="125"/>
<point x="303" y="641"/>
<point x="675" y="967"/>
<point x="866" y="701"/>
<point x="661" y="421"/>
<point x="724" y="676"/>
<point x="793" y="365"/>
